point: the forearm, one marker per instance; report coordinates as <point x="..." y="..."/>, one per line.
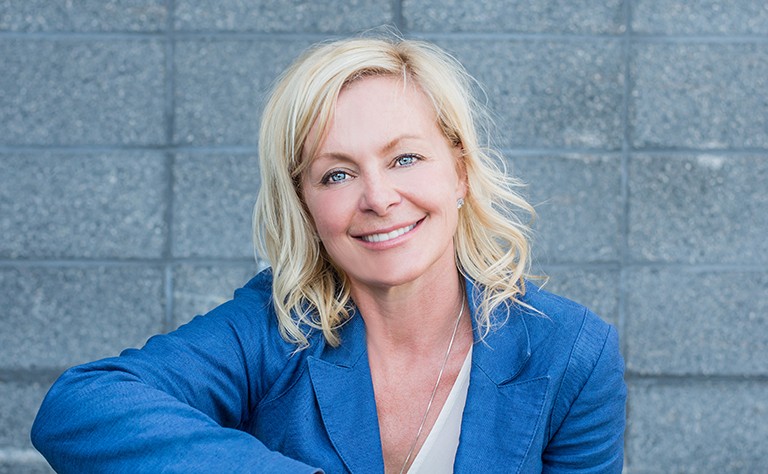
<point x="98" y="418"/>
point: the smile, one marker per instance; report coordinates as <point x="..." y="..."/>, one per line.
<point x="388" y="235"/>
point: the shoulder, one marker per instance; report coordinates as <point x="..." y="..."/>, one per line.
<point x="258" y="290"/>
<point x="249" y="311"/>
<point x="565" y="340"/>
<point x="255" y="297"/>
<point x="246" y="329"/>
<point x="557" y="319"/>
<point x="575" y="348"/>
<point x="579" y="354"/>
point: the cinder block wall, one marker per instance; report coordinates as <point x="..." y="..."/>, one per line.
<point x="128" y="173"/>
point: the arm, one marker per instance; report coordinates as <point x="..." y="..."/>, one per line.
<point x="590" y="437"/>
<point x="173" y="406"/>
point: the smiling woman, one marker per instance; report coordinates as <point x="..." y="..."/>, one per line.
<point x="395" y="330"/>
<point x="434" y="91"/>
<point x="383" y="187"/>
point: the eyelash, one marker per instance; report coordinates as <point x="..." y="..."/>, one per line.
<point x="327" y="178"/>
<point x="414" y="156"/>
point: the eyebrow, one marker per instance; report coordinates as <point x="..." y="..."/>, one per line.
<point x="385" y="149"/>
<point x="395" y="141"/>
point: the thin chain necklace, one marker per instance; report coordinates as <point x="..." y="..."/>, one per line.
<point x="434" y="390"/>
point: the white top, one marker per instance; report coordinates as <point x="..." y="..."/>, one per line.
<point x="437" y="454"/>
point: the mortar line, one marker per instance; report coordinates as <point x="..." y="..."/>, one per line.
<point x="689" y="378"/>
<point x="626" y="45"/>
<point x="238" y="149"/>
<point x="624" y="222"/>
<point x="397" y="16"/>
<point x="314" y="37"/>
<point x="117" y="262"/>
<point x="170" y="106"/>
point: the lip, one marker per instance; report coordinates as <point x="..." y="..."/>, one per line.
<point x="388" y="235"/>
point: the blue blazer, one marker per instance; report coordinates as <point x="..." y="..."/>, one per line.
<point x="225" y="393"/>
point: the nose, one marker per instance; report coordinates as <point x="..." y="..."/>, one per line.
<point x="379" y="194"/>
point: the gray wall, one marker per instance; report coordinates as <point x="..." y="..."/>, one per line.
<point x="128" y="172"/>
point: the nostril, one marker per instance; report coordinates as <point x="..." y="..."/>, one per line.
<point x="379" y="197"/>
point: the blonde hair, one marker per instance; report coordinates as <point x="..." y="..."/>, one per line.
<point x="491" y="242"/>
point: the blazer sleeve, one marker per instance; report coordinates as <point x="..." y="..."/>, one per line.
<point x="588" y="433"/>
<point x="176" y="405"/>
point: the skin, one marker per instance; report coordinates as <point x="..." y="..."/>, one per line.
<point x="382" y="192"/>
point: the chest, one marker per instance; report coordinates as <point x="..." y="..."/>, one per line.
<point x="329" y="416"/>
<point x="406" y="414"/>
<point x="412" y="399"/>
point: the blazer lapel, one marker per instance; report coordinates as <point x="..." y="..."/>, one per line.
<point x="500" y="419"/>
<point x="342" y="383"/>
<point x="503" y="410"/>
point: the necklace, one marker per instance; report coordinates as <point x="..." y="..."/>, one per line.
<point x="434" y="390"/>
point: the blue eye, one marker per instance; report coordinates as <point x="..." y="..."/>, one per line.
<point x="406" y="160"/>
<point x="335" y="176"/>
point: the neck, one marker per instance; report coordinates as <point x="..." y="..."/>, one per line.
<point x="416" y="319"/>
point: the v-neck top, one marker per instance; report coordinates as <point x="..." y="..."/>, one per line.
<point x="439" y="449"/>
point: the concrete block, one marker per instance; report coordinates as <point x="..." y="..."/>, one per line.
<point x="684" y="17"/>
<point x="704" y="208"/>
<point x="75" y="92"/>
<point x="551" y="16"/>
<point x="549" y="93"/>
<point x="213" y="205"/>
<point x="597" y="289"/>
<point x="699" y="95"/>
<point x="19" y="402"/>
<point x="58" y="317"/>
<point x="83" y="15"/>
<point x="221" y="85"/>
<point x="198" y="289"/>
<point x="579" y="205"/>
<point x="682" y="322"/>
<point x="93" y="205"/>
<point x="27" y="463"/>
<point x="276" y="16"/>
<point x="697" y="427"/>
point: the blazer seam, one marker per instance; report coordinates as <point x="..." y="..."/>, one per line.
<point x="538" y="418"/>
<point x="589" y="377"/>
<point x="568" y="368"/>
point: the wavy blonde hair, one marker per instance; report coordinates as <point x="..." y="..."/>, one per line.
<point x="491" y="243"/>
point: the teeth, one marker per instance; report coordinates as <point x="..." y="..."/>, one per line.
<point x="389" y="235"/>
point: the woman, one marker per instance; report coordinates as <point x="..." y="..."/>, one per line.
<point x="395" y="330"/>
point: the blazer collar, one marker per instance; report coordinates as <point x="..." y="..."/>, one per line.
<point x="504" y="351"/>
<point x="503" y="409"/>
<point x="341" y="379"/>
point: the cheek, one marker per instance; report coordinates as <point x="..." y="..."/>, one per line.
<point x="326" y="229"/>
<point x="327" y="215"/>
<point x="439" y="187"/>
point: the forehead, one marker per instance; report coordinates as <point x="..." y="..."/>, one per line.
<point x="392" y="90"/>
<point x="376" y="108"/>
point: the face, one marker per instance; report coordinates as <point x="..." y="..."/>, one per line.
<point x="383" y="186"/>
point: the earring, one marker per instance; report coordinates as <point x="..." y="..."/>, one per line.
<point x="459" y="203"/>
